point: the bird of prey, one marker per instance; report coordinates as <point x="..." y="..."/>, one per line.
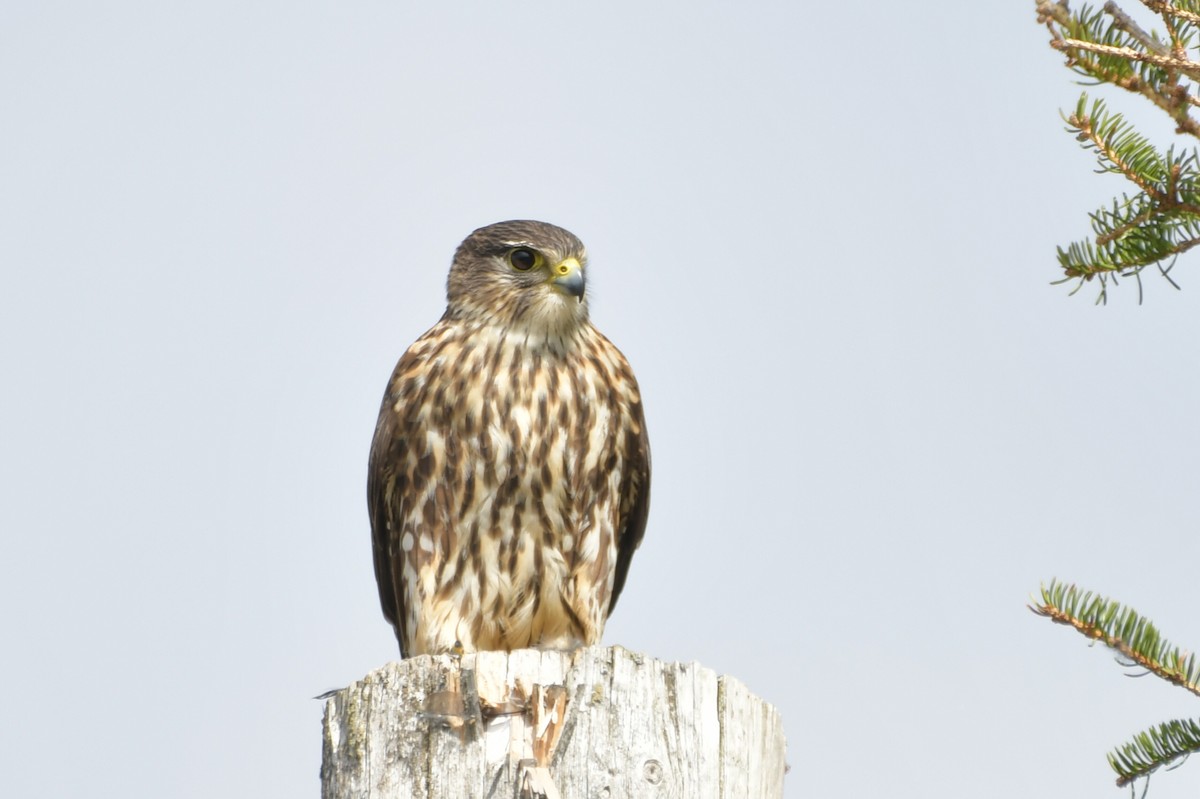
<point x="509" y="477"/>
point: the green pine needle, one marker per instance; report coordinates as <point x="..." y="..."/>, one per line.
<point x="1158" y="747"/>
<point x="1138" y="642"/>
<point x="1121" y="629"/>
<point x="1160" y="220"/>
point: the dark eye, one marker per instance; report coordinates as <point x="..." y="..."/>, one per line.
<point x="524" y="259"/>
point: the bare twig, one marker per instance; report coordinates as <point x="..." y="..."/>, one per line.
<point x="1053" y="12"/>
<point x="1126" y="23"/>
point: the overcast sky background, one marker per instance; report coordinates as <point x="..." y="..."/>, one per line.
<point x="823" y="237"/>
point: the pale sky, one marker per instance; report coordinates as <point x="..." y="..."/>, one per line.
<point x="823" y="237"/>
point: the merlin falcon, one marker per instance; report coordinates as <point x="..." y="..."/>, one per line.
<point x="509" y="478"/>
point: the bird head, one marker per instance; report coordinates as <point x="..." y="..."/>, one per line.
<point x="522" y="274"/>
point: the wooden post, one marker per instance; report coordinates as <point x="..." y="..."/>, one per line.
<point x="598" y="722"/>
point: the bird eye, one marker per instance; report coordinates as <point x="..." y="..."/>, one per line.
<point x="524" y="259"/>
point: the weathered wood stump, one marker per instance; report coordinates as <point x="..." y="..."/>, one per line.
<point x="598" y="722"/>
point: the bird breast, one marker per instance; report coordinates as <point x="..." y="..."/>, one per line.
<point x="514" y="525"/>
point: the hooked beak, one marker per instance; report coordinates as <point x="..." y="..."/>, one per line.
<point x="568" y="277"/>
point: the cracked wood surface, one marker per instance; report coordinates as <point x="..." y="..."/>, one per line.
<point x="598" y="722"/>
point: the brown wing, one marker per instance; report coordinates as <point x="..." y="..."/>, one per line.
<point x="386" y="490"/>
<point x="635" y="499"/>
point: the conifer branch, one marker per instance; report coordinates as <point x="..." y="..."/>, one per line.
<point x="1122" y="630"/>
<point x="1168" y="743"/>
<point x="1162" y="219"/>
<point x="1185" y="66"/>
<point x="1160" y="7"/>
<point x="1138" y="643"/>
